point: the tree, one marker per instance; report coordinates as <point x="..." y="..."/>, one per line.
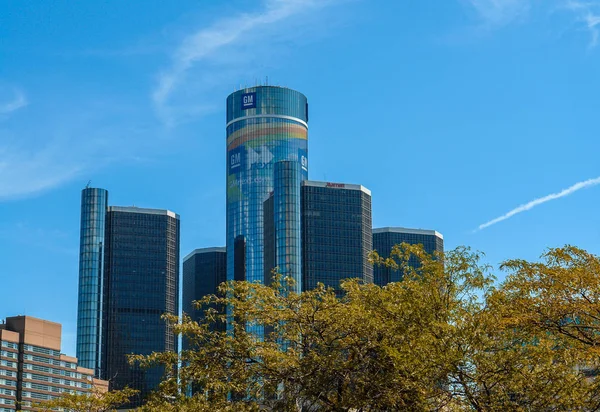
<point x="95" y="401"/>
<point x="443" y="339"/>
<point x="559" y="295"/>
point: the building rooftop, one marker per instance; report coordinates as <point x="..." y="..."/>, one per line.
<point x="36" y="331"/>
<point x="205" y="250"/>
<point x="135" y="209"/>
<point x="408" y="231"/>
<point x="332" y="185"/>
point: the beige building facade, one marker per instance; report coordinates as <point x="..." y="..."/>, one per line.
<point x="32" y="368"/>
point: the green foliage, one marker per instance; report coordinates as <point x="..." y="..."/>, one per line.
<point x="96" y="401"/>
<point x="445" y="338"/>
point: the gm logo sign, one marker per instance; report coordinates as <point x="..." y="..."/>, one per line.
<point x="236" y="160"/>
<point x="248" y="100"/>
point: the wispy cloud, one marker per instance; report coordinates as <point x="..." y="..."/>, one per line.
<point x="23" y="172"/>
<point x="218" y="51"/>
<point x="499" y="12"/>
<point x="496" y="13"/>
<point x="588" y="13"/>
<point x="73" y="143"/>
<point x="15" y="100"/>
<point x="536" y="202"/>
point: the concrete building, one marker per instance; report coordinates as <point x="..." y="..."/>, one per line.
<point x="32" y="368"/>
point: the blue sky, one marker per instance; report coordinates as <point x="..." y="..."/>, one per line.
<point x="453" y="113"/>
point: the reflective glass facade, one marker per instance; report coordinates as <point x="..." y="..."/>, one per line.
<point x="286" y="219"/>
<point x="142" y="283"/>
<point x="94" y="203"/>
<point x="265" y="125"/>
<point x="384" y="240"/>
<point x="336" y="233"/>
<point x="203" y="271"/>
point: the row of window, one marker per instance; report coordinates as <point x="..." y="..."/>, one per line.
<point x="35" y="395"/>
<point x="53" y="371"/>
<point x="11" y="345"/>
<point x="49" y="361"/>
<point x="37" y="349"/>
<point x="6" y="354"/>
<point x="7" y="382"/>
<point x="10" y="374"/>
<point x="65" y="382"/>
<point x="47" y="388"/>
<point x="8" y="364"/>
<point x="6" y="402"/>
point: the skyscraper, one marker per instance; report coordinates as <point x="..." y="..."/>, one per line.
<point x="128" y="278"/>
<point x="94" y="203"/>
<point x="384" y="240"/>
<point x="203" y="271"/>
<point x="142" y="284"/>
<point x="336" y="233"/>
<point x="267" y="130"/>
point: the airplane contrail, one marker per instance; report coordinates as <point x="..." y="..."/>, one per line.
<point x="539" y="201"/>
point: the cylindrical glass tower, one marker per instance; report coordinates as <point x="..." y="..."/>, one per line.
<point x="286" y="221"/>
<point x="265" y="125"/>
<point x="94" y="204"/>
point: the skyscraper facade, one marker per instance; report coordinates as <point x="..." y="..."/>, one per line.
<point x="336" y="233"/>
<point x="142" y="284"/>
<point x="203" y="271"/>
<point x="94" y="203"/>
<point x="129" y="278"/>
<point x="384" y="240"/>
<point x="265" y="125"/>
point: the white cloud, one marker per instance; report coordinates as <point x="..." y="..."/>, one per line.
<point x="499" y="12"/>
<point x="23" y="172"/>
<point x="536" y="202"/>
<point x="494" y="13"/>
<point x="13" y="103"/>
<point x="52" y="147"/>
<point x="587" y="13"/>
<point x="222" y="51"/>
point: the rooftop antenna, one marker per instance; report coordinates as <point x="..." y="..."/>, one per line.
<point x="267" y="80"/>
<point x="88" y="184"/>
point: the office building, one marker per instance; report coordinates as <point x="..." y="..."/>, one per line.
<point x="94" y="204"/>
<point x="142" y="284"/>
<point x="336" y="233"/>
<point x="267" y="131"/>
<point x="32" y="368"/>
<point x="129" y="278"/>
<point x="384" y="240"/>
<point x="282" y="225"/>
<point x="203" y="271"/>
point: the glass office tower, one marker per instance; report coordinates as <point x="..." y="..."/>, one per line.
<point x="142" y="283"/>
<point x="336" y="233"/>
<point x="94" y="203"/>
<point x="128" y="278"/>
<point x="203" y="271"/>
<point x="384" y="240"/>
<point x="265" y="125"/>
